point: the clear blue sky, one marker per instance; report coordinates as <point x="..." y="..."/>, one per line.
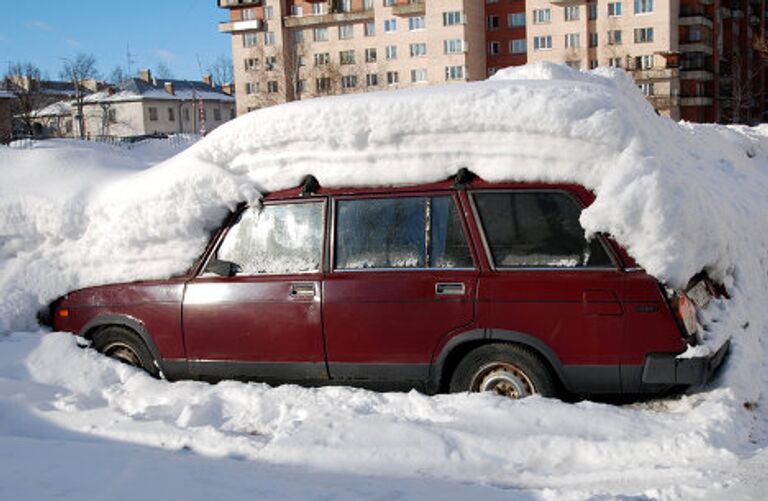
<point x="176" y="32"/>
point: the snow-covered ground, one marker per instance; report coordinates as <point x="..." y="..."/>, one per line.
<point x="680" y="197"/>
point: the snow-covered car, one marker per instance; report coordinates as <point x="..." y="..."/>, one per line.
<point x="462" y="285"/>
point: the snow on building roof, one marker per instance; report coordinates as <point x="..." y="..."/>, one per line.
<point x="138" y="89"/>
<point x="60" y="108"/>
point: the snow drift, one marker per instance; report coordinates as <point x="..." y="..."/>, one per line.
<point x="680" y="197"/>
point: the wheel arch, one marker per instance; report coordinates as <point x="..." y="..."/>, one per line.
<point x="458" y="346"/>
<point x="131" y="323"/>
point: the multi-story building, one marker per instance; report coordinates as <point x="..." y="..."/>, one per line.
<point x="694" y="59"/>
<point x="291" y="49"/>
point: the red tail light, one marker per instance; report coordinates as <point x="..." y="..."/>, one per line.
<point x="685" y="311"/>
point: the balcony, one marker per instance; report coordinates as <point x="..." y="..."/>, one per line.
<point x="655" y="73"/>
<point x="700" y="75"/>
<point x="694" y="16"/>
<point x="409" y="9"/>
<point x="228" y="4"/>
<point x="238" y="26"/>
<point x="663" y="102"/>
<point x="695" y="101"/>
<point x="310" y="20"/>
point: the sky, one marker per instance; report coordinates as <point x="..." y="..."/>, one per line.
<point x="177" y="33"/>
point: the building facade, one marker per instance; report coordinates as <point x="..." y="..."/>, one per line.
<point x="693" y="59"/>
<point x="6" y="123"/>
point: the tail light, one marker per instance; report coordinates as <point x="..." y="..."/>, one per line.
<point x="685" y="311"/>
<point x="697" y="295"/>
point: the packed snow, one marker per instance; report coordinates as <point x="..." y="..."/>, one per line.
<point x="680" y="197"/>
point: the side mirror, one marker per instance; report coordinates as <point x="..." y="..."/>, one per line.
<point x="223" y="268"/>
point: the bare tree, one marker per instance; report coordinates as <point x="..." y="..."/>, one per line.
<point x="745" y="91"/>
<point x="78" y="70"/>
<point x="162" y="71"/>
<point x="23" y="81"/>
<point x="118" y="76"/>
<point x="221" y="70"/>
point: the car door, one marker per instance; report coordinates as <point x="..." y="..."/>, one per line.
<point x="263" y="322"/>
<point x="549" y="283"/>
<point x="402" y="278"/>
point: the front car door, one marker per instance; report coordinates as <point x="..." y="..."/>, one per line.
<point x="265" y="321"/>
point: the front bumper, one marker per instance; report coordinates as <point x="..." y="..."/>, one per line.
<point x="666" y="368"/>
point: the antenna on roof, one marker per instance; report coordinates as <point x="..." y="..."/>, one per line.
<point x="309" y="185"/>
<point x="463" y="177"/>
<point x="129" y="59"/>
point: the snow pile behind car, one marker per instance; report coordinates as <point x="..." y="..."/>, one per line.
<point x="682" y="198"/>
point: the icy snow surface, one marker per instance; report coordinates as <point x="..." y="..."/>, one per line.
<point x="680" y="197"/>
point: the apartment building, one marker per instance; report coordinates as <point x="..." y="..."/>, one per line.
<point x="693" y="59"/>
<point x="284" y="50"/>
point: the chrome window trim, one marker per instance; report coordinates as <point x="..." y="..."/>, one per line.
<point x="487" y="249"/>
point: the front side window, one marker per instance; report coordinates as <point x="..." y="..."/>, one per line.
<point x="405" y="232"/>
<point x="536" y="229"/>
<point x="276" y="239"/>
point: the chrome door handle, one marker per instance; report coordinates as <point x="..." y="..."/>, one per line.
<point x="302" y="290"/>
<point x="449" y="289"/>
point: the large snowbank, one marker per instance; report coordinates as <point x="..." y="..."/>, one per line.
<point x="680" y="197"/>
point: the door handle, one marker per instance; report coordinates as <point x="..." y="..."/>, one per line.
<point x="449" y="289"/>
<point x="302" y="290"/>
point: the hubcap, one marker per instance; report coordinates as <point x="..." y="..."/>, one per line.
<point x="503" y="379"/>
<point x="123" y="353"/>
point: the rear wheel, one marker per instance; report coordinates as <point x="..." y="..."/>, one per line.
<point x="125" y="346"/>
<point x="508" y="370"/>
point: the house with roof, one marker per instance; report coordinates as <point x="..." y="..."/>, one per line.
<point x="146" y="105"/>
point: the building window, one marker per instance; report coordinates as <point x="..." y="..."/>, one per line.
<point x="346" y="31"/>
<point x="694" y="34"/>
<point x="347" y="57"/>
<point x="419" y="75"/>
<point x="323" y="85"/>
<point x="369" y="29"/>
<point x="370" y="55"/>
<point x="320" y="34"/>
<point x="251" y="64"/>
<point x="644" y="62"/>
<point x="186" y="113"/>
<point x="592" y="11"/>
<point x="371" y="80"/>
<point x="453" y="18"/>
<point x="390" y="25"/>
<point x="542" y="16"/>
<point x="572" y="40"/>
<point x="322" y="58"/>
<point x="416" y="23"/>
<point x="393" y="78"/>
<point x="389" y="3"/>
<point x="542" y="42"/>
<point x="614" y="37"/>
<point x="248" y="14"/>
<point x="517" y="46"/>
<point x="112" y="115"/>
<point x="593" y="39"/>
<point x="251" y="88"/>
<point x="454" y="72"/>
<point x="250" y="39"/>
<point x="572" y="13"/>
<point x="643" y="6"/>
<point x="298" y="36"/>
<point x="614" y="9"/>
<point x="297" y="10"/>
<point x="171" y="115"/>
<point x="302" y="60"/>
<point x="592" y="64"/>
<point x="349" y="81"/>
<point x="647" y="88"/>
<point x="152" y="114"/>
<point x="270" y="63"/>
<point x="516" y="20"/>
<point x="418" y="49"/>
<point x="493" y="22"/>
<point x="269" y="38"/>
<point x="643" y="35"/>
<point x="614" y="62"/>
<point x="301" y="86"/>
<point x="272" y="86"/>
<point x="217" y="114"/>
<point x="318" y="9"/>
<point x="391" y="51"/>
<point x="455" y="46"/>
<point x="344" y="5"/>
<point x="494" y="48"/>
<point x="268" y="12"/>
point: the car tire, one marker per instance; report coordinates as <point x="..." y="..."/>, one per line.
<point x="125" y="346"/>
<point x="509" y="370"/>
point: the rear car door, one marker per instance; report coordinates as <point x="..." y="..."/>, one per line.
<point x="548" y="282"/>
<point x="264" y="322"/>
<point x="403" y="277"/>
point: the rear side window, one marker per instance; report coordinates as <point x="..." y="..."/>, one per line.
<point x="403" y="232"/>
<point x="275" y="239"/>
<point x="536" y="229"/>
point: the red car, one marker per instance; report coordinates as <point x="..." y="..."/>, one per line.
<point x="461" y="285"/>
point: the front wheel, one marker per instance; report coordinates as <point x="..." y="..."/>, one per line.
<point x="508" y="370"/>
<point x="125" y="346"/>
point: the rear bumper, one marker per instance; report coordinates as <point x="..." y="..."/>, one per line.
<point x="666" y="368"/>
